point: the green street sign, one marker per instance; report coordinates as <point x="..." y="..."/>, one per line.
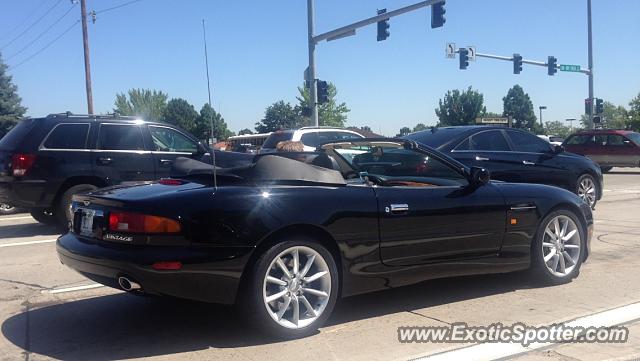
<point x="566" y="67"/>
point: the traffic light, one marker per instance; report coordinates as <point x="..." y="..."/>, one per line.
<point x="323" y="92"/>
<point x="552" y="65"/>
<point x="588" y="106"/>
<point x="383" y="27"/>
<point x="599" y="106"/>
<point x="517" y="63"/>
<point x="437" y="15"/>
<point x="464" y="58"/>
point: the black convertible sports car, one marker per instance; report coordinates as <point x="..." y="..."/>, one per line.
<point x="288" y="235"/>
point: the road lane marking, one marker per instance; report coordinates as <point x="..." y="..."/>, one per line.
<point x="26" y="243"/>
<point x="12" y="218"/>
<point x="493" y="351"/>
<point x="73" y="289"/>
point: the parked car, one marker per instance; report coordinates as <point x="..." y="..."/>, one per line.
<point x="608" y="148"/>
<point x="285" y="239"/>
<point x="45" y="161"/>
<point x="311" y="137"/>
<point x="514" y="155"/>
<point x="552" y="139"/>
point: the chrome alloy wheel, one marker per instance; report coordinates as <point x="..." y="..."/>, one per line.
<point x="561" y="246"/>
<point x="6" y="207"/>
<point x="296" y="287"/>
<point x="587" y="191"/>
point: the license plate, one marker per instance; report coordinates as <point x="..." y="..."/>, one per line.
<point x="86" y="222"/>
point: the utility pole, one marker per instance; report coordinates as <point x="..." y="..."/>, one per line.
<point x="311" y="81"/>
<point x="87" y="66"/>
<point x="590" y="50"/>
<point x="542" y="107"/>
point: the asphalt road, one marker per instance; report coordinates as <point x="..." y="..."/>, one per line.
<point x="48" y="311"/>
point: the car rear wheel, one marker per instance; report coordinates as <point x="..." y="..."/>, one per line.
<point x="293" y="288"/>
<point x="557" y="250"/>
<point x="587" y="190"/>
<point x="64" y="207"/>
<point x="44" y="216"/>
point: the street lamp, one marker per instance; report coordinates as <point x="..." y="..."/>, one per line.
<point x="570" y="120"/>
<point x="541" y="108"/>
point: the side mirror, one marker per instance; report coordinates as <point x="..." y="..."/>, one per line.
<point x="557" y="149"/>
<point x="480" y="176"/>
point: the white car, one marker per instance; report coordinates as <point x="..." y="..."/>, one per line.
<point x="310" y="137"/>
<point x="553" y="139"/>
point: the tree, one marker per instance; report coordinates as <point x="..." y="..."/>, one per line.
<point x="145" y="103"/>
<point x="460" y="108"/>
<point x="403" y="131"/>
<point x="558" y="128"/>
<point x="202" y="128"/>
<point x="419" y="127"/>
<point x="612" y="117"/>
<point x="329" y="114"/>
<point x="245" y="131"/>
<point x="634" y="113"/>
<point x="518" y="105"/>
<point x="11" y="109"/>
<point x="179" y="112"/>
<point x="279" y="115"/>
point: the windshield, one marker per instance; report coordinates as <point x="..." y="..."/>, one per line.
<point x="635" y="137"/>
<point x="436" y="137"/>
<point x="11" y="140"/>
<point x="276" y="138"/>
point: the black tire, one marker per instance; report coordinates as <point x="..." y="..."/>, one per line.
<point x="588" y="178"/>
<point x="252" y="306"/>
<point x="538" y="268"/>
<point x="63" y="211"/>
<point x="605" y="169"/>
<point x="44" y="216"/>
<point x="6" y="209"/>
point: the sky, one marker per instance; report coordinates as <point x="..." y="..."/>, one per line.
<point x="258" y="53"/>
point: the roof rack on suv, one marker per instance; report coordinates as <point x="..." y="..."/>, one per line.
<point x="321" y="127"/>
<point x="100" y="116"/>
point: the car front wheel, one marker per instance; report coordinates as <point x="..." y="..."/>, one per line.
<point x="6" y="209"/>
<point x="587" y="190"/>
<point x="293" y="288"/>
<point x="557" y="250"/>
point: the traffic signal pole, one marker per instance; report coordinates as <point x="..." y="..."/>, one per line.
<point x="340" y="33"/>
<point x="590" y="55"/>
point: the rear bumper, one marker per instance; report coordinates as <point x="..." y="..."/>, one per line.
<point x="209" y="274"/>
<point x="27" y="194"/>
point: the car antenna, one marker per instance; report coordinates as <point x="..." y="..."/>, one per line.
<point x="213" y="152"/>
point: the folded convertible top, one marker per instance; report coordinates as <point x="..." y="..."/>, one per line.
<point x="268" y="168"/>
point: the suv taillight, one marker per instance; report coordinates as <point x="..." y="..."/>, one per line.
<point x="21" y="163"/>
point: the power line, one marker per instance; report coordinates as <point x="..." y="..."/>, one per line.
<point x="116" y="7"/>
<point x="24" y="21"/>
<point x="41" y="34"/>
<point x="32" y="25"/>
<point x="46" y="46"/>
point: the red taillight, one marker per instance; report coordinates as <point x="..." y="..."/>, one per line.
<point x="167" y="265"/>
<point x="21" y="163"/>
<point x="141" y="223"/>
<point x="170" y="182"/>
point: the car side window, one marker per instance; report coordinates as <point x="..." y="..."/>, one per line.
<point x="615" y="140"/>
<point x="529" y="143"/>
<point x="170" y="140"/>
<point x="578" y="139"/>
<point x="310" y="139"/>
<point x="491" y="140"/>
<point x="67" y="136"/>
<point x="600" y="140"/>
<point x="120" y="137"/>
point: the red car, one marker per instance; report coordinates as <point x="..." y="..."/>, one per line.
<point x="608" y="148"/>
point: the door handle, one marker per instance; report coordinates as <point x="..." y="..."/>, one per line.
<point x="526" y="162"/>
<point x="104" y="160"/>
<point x="397" y="208"/>
<point x="481" y="158"/>
<point x="166" y="161"/>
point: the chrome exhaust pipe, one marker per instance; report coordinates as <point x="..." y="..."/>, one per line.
<point x="128" y="285"/>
